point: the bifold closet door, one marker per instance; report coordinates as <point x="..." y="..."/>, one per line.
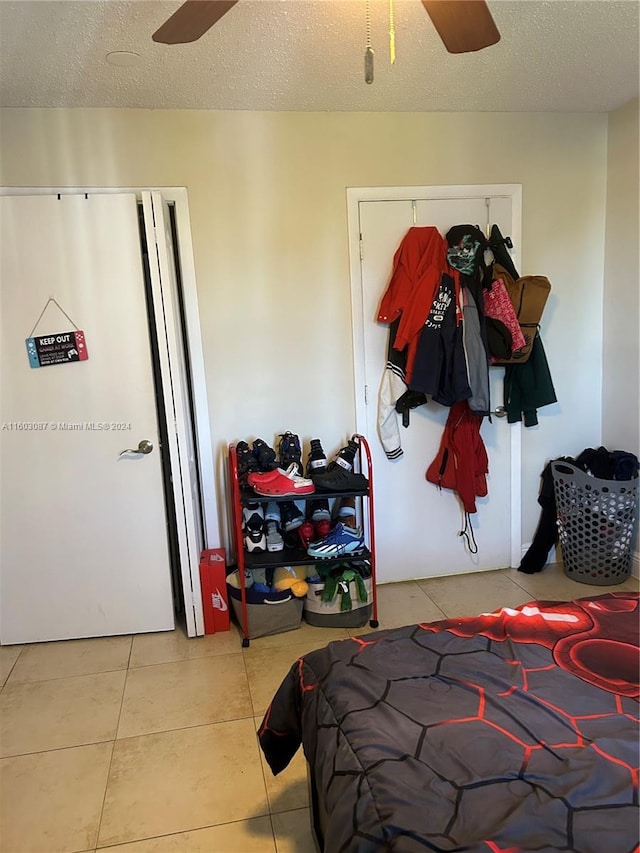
<point x="83" y="524"/>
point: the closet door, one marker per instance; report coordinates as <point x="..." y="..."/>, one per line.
<point x="83" y="524"/>
<point x="417" y="525"/>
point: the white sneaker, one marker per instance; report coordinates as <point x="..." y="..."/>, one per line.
<point x="275" y="541"/>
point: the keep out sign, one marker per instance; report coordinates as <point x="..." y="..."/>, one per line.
<point x="60" y="348"/>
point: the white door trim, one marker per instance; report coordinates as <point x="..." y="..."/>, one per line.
<point x="355" y="195"/>
<point x="177" y="196"/>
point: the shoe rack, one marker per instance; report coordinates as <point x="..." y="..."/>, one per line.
<point x="297" y="556"/>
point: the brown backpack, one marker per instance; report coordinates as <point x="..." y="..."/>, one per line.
<point x="528" y="295"/>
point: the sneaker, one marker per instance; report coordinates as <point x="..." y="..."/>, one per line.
<point x="272" y="512"/>
<point x="279" y="483"/>
<point x="291" y="516"/>
<point x="289" y="450"/>
<point x="265" y="455"/>
<point x="345" y="511"/>
<point x="346" y="456"/>
<point x="339" y="542"/>
<point x="252" y="517"/>
<point x="274" y="538"/>
<point x="247" y="462"/>
<point x="319" y="510"/>
<point x="306" y="532"/>
<point x="340" y="480"/>
<point x="255" y="540"/>
<point x="321" y="529"/>
<point x="317" y="459"/>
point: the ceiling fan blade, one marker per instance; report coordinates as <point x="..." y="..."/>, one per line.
<point x="463" y="25"/>
<point x="192" y="20"/>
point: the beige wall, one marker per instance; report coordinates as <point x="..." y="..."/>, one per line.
<point x="268" y="210"/>
<point x="621" y="350"/>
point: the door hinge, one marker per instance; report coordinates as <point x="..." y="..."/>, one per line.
<point x="366" y="395"/>
<point x="361" y="249"/>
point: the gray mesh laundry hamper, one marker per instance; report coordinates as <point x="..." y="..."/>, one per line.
<point x="596" y="522"/>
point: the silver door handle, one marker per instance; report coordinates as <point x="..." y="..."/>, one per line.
<point x="144" y="447"/>
<point x="500" y="412"/>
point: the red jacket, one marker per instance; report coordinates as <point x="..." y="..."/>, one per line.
<point x="418" y="264"/>
<point x="461" y="463"/>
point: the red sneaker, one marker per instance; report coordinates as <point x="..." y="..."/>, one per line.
<point x="322" y="528"/>
<point x="306" y="533"/>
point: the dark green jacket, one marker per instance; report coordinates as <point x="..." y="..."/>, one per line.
<point x="528" y="386"/>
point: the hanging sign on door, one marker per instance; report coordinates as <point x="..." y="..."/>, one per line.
<point x="60" y="348"/>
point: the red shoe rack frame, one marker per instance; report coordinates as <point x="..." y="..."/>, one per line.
<point x="364" y="456"/>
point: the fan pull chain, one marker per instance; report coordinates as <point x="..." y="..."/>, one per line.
<point x="392" y="34"/>
<point x="368" y="54"/>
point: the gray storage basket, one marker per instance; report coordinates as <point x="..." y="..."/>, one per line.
<point x="596" y="522"/>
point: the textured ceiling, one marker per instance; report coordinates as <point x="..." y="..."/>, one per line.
<point x="559" y="55"/>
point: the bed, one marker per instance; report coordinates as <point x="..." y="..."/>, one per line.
<point x="510" y="731"/>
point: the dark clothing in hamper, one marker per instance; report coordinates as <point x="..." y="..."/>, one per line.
<point x="601" y="463"/>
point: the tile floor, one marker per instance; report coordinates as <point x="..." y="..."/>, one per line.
<point x="147" y="744"/>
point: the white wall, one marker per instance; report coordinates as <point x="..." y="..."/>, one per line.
<point x="268" y="209"/>
<point x="621" y="350"/>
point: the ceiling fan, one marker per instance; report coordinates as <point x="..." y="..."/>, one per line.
<point x="463" y="25"/>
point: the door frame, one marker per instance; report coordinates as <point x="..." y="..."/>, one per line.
<point x="202" y="426"/>
<point x="356" y="195"/>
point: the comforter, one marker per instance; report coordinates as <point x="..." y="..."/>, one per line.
<point x="510" y="731"/>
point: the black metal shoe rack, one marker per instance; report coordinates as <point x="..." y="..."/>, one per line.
<point x="298" y="556"/>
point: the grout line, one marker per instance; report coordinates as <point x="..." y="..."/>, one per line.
<point x="130" y="652"/>
<point x="119" y="844"/>
<point x="182" y="660"/>
<point x="263" y="771"/>
<point x="432" y="600"/>
<point x="62" y="677"/>
<point x="113" y="749"/>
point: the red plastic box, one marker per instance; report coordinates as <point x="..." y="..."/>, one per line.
<point x="213" y="580"/>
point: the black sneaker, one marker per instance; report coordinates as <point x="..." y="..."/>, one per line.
<point x="265" y="455"/>
<point x="346" y="456"/>
<point x="290" y="516"/>
<point x="316" y="460"/>
<point x="340" y="480"/>
<point x="318" y="510"/>
<point x="247" y="462"/>
<point x="289" y="451"/>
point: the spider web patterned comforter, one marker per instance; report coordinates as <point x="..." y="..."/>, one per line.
<point x="511" y="731"/>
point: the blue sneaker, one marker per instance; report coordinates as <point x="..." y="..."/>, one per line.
<point x="340" y="541"/>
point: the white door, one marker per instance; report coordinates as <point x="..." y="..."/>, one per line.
<point x="183" y="456"/>
<point x="83" y="526"/>
<point x="417" y="525"/>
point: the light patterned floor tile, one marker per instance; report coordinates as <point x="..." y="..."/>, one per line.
<point x="183" y="780"/>
<point x="60" y="713"/>
<point x="184" y="693"/>
<point x="471" y="594"/>
<point x="633" y="584"/>
<point x="401" y="604"/>
<point x="8" y="657"/>
<point x="246" y="836"/>
<point x="553" y="584"/>
<point x="289" y="789"/>
<point x="267" y="667"/>
<point x="293" y="832"/>
<point x="62" y="659"/>
<point x="306" y="633"/>
<point x="51" y="801"/>
<point x="174" y="645"/>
